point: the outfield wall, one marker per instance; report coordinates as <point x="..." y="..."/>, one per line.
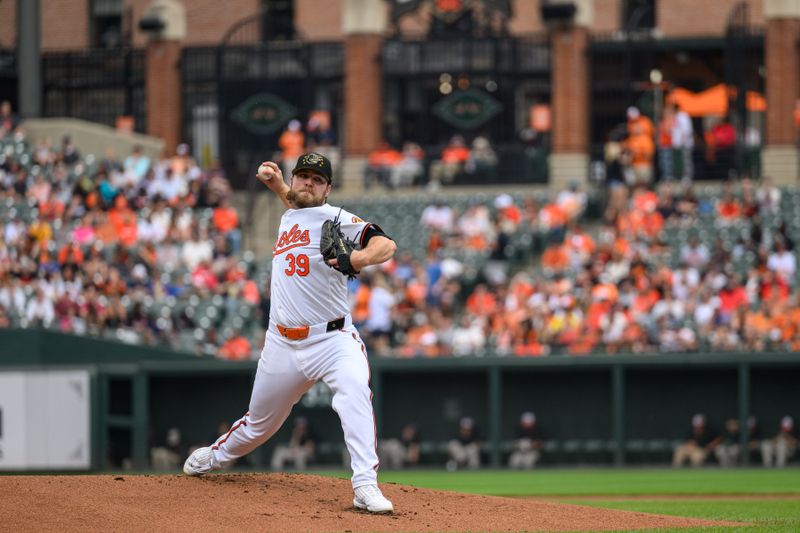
<point x="596" y="409"/>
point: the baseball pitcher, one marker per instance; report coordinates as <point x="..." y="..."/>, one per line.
<point x="311" y="335"/>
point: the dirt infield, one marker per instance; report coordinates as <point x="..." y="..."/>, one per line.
<point x="282" y="502"/>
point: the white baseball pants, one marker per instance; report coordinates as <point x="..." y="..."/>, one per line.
<point x="286" y="370"/>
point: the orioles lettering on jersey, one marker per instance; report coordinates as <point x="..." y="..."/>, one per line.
<point x="291" y="239"/>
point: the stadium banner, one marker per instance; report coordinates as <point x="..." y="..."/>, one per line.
<point x="45" y="420"/>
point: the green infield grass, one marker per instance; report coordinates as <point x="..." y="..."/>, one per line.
<point x="773" y="515"/>
<point x="768" y="499"/>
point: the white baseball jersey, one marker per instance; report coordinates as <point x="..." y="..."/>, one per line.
<point x="305" y="290"/>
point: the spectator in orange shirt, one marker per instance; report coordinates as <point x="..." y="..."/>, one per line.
<point x="638" y="123"/>
<point x="580" y="245"/>
<point x="481" y="302"/>
<point x="645" y="200"/>
<point x="421" y="340"/>
<point x="728" y="207"/>
<point x="361" y="302"/>
<point x="104" y="230"/>
<point x="380" y="164"/>
<point x="507" y="212"/>
<point x="70" y="254"/>
<point x="773" y="288"/>
<point x="556" y="258"/>
<point x="732" y="301"/>
<point x="553" y="220"/>
<point x="645" y="299"/>
<point x="226" y="221"/>
<point x="250" y="292"/>
<point x="236" y="348"/>
<point x="641" y="148"/>
<point x="451" y="162"/>
<point x="758" y="325"/>
<point x="292" y="143"/>
<point x="640" y="145"/>
<point x="124" y="221"/>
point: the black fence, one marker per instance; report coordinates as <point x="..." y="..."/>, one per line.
<point x="516" y="163"/>
<point x="435" y="89"/>
<point x="8" y="76"/>
<point x="219" y="80"/>
<point x="527" y="55"/>
<point x="621" y="75"/>
<point x="95" y="85"/>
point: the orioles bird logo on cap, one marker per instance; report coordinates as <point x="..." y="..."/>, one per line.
<point x="313" y="159"/>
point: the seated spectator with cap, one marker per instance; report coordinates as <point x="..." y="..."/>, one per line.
<point x="451" y="162"/>
<point x="401" y="452"/>
<point x="380" y="165"/>
<point x="292" y="143"/>
<point x="527" y="445"/>
<point x="482" y="158"/>
<point x="782" y="447"/>
<point x="226" y="222"/>
<point x="700" y="442"/>
<point x="299" y="450"/>
<point x="727" y="452"/>
<point x="410" y="169"/>
<point x="465" y="449"/>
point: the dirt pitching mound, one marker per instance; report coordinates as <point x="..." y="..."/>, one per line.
<point x="282" y="502"/>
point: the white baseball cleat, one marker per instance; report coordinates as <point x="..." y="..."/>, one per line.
<point x="200" y="462"/>
<point x="369" y="497"/>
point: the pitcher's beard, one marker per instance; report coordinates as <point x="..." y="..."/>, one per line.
<point x="302" y="201"/>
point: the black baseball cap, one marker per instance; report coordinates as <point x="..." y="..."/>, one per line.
<point x="316" y="162"/>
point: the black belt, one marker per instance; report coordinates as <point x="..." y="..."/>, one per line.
<point x="333" y="325"/>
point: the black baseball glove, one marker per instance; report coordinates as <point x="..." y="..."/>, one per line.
<point x="334" y="245"/>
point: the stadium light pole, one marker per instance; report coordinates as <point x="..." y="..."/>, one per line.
<point x="656" y="78"/>
<point x="29" y="62"/>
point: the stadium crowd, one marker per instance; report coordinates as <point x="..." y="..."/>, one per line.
<point x="151" y="252"/>
<point x="112" y="246"/>
<point x="664" y="270"/>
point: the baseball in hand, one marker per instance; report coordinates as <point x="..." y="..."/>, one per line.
<point x="264" y="172"/>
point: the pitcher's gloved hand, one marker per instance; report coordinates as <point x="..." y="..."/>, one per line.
<point x="335" y="246"/>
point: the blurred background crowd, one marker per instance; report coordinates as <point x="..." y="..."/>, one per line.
<point x="150" y="251"/>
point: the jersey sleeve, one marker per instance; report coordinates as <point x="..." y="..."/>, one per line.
<point x="359" y="230"/>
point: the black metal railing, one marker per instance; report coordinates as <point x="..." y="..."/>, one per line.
<point x="508" y="56"/>
<point x="97" y="85"/>
<point x="708" y="164"/>
<point x="274" y="60"/>
<point x="8" y="75"/>
<point x="516" y="164"/>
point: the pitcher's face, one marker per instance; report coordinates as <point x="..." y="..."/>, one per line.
<point x="308" y="189"/>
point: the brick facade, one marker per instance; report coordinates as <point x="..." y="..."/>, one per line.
<point x="8" y="24"/>
<point x="362" y="93"/>
<point x="527" y="18"/>
<point x="318" y="20"/>
<point x="65" y="24"/>
<point x="783" y="79"/>
<point x="678" y="18"/>
<point x="570" y="88"/>
<point x="607" y="15"/>
<point x="207" y="21"/>
<point x="164" y="92"/>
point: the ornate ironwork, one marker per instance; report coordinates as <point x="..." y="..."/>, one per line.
<point x="455" y="18"/>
